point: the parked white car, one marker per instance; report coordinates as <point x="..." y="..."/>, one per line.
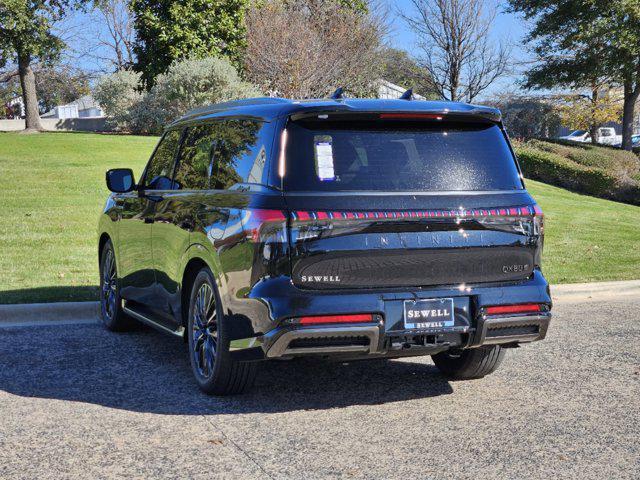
<point x="606" y="136"/>
<point x="635" y="142"/>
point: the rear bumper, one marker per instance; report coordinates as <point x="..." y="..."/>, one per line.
<point x="386" y="337"/>
<point x="371" y="339"/>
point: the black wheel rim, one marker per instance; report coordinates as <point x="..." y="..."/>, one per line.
<point x="204" y="331"/>
<point x="109" y="285"/>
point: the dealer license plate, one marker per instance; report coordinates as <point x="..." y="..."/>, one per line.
<point x="428" y="314"/>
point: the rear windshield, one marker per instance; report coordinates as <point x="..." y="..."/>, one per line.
<point x="393" y="156"/>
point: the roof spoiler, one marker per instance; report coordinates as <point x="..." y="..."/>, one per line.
<point x="408" y="95"/>
<point x="338" y="94"/>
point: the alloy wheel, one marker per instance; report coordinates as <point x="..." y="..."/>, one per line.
<point x="204" y="331"/>
<point x="109" y="285"/>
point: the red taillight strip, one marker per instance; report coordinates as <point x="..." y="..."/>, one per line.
<point x="324" y="319"/>
<point x="526" y="210"/>
<point x="412" y="116"/>
<point x="265" y="215"/>
<point x="507" y="309"/>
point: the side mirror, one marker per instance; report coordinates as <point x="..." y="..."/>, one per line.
<point x="120" y="180"/>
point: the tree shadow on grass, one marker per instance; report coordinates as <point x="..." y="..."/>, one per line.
<point x="145" y="371"/>
<point x="50" y="294"/>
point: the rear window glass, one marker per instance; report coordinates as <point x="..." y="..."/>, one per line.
<point x="415" y="156"/>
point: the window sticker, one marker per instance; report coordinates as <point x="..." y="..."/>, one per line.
<point x="324" y="157"/>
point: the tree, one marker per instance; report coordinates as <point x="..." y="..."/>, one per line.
<point x="305" y="50"/>
<point x="119" y="38"/>
<point x="582" y="42"/>
<point x="528" y="117"/>
<point x="26" y="36"/>
<point x="9" y="90"/>
<point x="401" y="69"/>
<point x="167" y="31"/>
<point x="59" y="85"/>
<point x="590" y="111"/>
<point x="458" y="53"/>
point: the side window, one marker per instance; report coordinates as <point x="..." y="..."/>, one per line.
<point x="195" y="158"/>
<point x="160" y="168"/>
<point x="238" y="156"/>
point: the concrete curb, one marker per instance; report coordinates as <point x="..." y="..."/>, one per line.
<point x="67" y="313"/>
<point x="49" y="313"/>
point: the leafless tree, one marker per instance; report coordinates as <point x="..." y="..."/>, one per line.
<point x="306" y="49"/>
<point x="457" y="50"/>
<point x="119" y="33"/>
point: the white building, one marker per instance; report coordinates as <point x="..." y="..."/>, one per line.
<point x="390" y="90"/>
<point x="84" y="107"/>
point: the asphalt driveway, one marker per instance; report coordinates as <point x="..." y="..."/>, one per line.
<point x="79" y="402"/>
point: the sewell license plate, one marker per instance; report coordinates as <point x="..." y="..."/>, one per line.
<point x="428" y="314"/>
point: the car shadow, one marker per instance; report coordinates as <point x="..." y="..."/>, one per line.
<point x="145" y="371"/>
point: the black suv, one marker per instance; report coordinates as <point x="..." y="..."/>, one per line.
<point x="350" y="229"/>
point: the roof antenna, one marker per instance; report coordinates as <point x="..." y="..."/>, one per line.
<point x="408" y="95"/>
<point x="337" y="95"/>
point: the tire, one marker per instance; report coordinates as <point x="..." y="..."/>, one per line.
<point x="213" y="368"/>
<point x="469" y="364"/>
<point x="111" y="313"/>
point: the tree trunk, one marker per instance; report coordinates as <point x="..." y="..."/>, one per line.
<point x="593" y="128"/>
<point x="628" y="112"/>
<point x="29" y="96"/>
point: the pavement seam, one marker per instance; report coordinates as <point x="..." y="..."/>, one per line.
<point x="242" y="450"/>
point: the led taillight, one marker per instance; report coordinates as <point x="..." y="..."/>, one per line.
<point x="256" y="218"/>
<point x="324" y="319"/>
<point x="538" y="219"/>
<point x="509" y="309"/>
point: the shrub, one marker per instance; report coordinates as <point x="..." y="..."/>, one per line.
<point x="187" y="84"/>
<point x="118" y="94"/>
<point x="623" y="163"/>
<point x="556" y="164"/>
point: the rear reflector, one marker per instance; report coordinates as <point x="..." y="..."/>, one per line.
<point x="316" y="320"/>
<point x="507" y="309"/>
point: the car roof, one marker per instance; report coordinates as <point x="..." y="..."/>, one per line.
<point x="268" y="109"/>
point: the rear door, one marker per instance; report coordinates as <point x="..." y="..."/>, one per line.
<point x="406" y="202"/>
<point x="174" y="219"/>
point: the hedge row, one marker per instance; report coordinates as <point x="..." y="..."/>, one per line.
<point x="558" y="170"/>
<point x="601" y="156"/>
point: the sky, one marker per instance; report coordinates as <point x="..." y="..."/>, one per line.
<point x="507" y="27"/>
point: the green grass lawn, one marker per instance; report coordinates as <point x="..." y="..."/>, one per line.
<point x="52" y="190"/>
<point x="587" y="239"/>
